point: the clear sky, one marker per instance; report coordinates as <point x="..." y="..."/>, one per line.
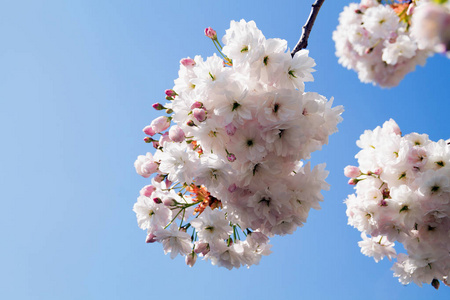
<point x="77" y="81"/>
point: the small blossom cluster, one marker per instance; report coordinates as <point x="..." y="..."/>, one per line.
<point x="403" y="194"/>
<point x="228" y="161"/>
<point x="430" y="25"/>
<point x="383" y="41"/>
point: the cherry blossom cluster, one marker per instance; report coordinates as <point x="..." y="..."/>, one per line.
<point x="384" y="40"/>
<point x="227" y="168"/>
<point x="403" y="194"/>
<point x="431" y="25"/>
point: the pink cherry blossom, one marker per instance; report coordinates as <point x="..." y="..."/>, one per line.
<point x="160" y="124"/>
<point x="176" y="134"/>
<point x="351" y="171"/>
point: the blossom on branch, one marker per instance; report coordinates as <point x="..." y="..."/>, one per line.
<point x="229" y="170"/>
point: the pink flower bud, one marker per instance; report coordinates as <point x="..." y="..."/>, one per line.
<point x="147" y="190"/>
<point x="148" y="139"/>
<point x="169" y="201"/>
<point x="149" y="167"/>
<point x="231" y="157"/>
<point x="187" y="62"/>
<point x="199" y="114"/>
<point x="232" y="188"/>
<point x="148" y="130"/>
<point x="191" y="259"/>
<point x="158" y="106"/>
<point x="164" y="139"/>
<point x="176" y="134"/>
<point x="170" y="93"/>
<point x="155" y="144"/>
<point x="393" y="37"/>
<point x="352" y="181"/>
<point x="151" y="238"/>
<point x="196" y="104"/>
<point x="230" y="129"/>
<point x="201" y="247"/>
<point x="159" y="178"/>
<point x="168" y="182"/>
<point x="410" y="10"/>
<point x="160" y="124"/>
<point x="157" y="200"/>
<point x="211" y="33"/>
<point x="351" y="171"/>
<point x="190" y="123"/>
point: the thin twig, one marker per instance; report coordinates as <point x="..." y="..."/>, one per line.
<point x="306" y="30"/>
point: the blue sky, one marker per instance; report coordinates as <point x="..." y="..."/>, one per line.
<point x="77" y="81"/>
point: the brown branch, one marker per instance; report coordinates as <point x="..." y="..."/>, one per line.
<point x="306" y="30"/>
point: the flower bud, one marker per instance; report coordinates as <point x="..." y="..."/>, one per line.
<point x="351" y="171"/>
<point x="410" y="10"/>
<point x="201" y="247"/>
<point x="369" y="50"/>
<point x="164" y="138"/>
<point x="230" y="129"/>
<point x="159" y="177"/>
<point x="377" y="171"/>
<point x="199" y="114"/>
<point x="187" y="62"/>
<point x="170" y="93"/>
<point x="231" y="157"/>
<point x="169" y="111"/>
<point x="147" y="190"/>
<point x="211" y="33"/>
<point x="190" y="123"/>
<point x="160" y="124"/>
<point x="232" y="188"/>
<point x="148" y="130"/>
<point x="169" y="201"/>
<point x="191" y="259"/>
<point x="155" y="144"/>
<point x="393" y="37"/>
<point x="353" y="181"/>
<point x="148" y="139"/>
<point x="158" y="106"/>
<point x="151" y="238"/>
<point x="157" y="200"/>
<point x="176" y="134"/>
<point x="196" y="104"/>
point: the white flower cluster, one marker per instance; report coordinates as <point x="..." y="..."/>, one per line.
<point x="403" y="194"/>
<point x="376" y="39"/>
<point x="230" y="167"/>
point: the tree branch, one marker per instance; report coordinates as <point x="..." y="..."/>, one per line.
<point x="306" y="30"/>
